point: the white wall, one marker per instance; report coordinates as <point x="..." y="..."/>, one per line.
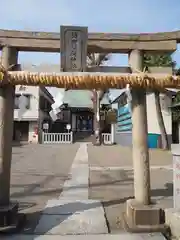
<point x="33" y="138"/>
<point x="125" y="138"/>
<point x="153" y="126"/>
<point x="31" y="113"/>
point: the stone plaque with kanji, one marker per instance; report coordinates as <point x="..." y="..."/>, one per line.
<point x="73" y="45"/>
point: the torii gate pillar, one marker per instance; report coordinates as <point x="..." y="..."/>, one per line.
<point x="140" y="211"/>
<point x="139" y="136"/>
<point x="8" y="210"/>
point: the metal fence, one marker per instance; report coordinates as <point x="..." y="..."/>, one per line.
<point x="107" y="138"/>
<point x="57" y="137"/>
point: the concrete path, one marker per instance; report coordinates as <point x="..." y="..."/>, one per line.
<point x="72" y="212"/>
<point x="77" y="186"/>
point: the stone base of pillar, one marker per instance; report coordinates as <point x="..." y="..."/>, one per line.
<point x="143" y="218"/>
<point x="9" y="218"/>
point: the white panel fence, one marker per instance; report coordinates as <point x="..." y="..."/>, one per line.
<point x="107" y="138"/>
<point x="57" y="137"/>
<point x="51" y="138"/>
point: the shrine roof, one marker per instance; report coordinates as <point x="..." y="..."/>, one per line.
<point x="81" y="98"/>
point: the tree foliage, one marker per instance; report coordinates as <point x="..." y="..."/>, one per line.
<point x="159" y="60"/>
<point x="94" y="60"/>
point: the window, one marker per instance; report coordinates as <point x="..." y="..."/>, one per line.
<point x="16" y="101"/>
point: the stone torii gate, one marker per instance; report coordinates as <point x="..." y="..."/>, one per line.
<point x="140" y="212"/>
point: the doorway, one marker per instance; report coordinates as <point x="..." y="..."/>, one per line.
<point x="84" y="123"/>
<point x="21" y="131"/>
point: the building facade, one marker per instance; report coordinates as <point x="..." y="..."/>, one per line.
<point x="29" y="119"/>
<point x="123" y="128"/>
<point x="77" y="112"/>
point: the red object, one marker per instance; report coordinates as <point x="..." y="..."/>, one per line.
<point x="36" y="130"/>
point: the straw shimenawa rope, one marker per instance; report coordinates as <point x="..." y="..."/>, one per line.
<point x="89" y="80"/>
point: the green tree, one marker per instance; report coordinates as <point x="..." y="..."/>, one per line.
<point x="156" y="60"/>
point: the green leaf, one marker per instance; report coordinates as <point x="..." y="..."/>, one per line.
<point x="159" y="60"/>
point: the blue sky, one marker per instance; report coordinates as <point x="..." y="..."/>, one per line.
<point x="99" y="15"/>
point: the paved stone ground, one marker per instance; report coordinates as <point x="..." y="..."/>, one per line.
<point x="37" y="175"/>
<point x="111" y="179"/>
<point x="72" y="213"/>
<point x="40" y="171"/>
<point x="115" y="156"/>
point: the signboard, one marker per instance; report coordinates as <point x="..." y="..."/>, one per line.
<point x="73" y="42"/>
<point x="111" y="116"/>
<point x="176" y="181"/>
